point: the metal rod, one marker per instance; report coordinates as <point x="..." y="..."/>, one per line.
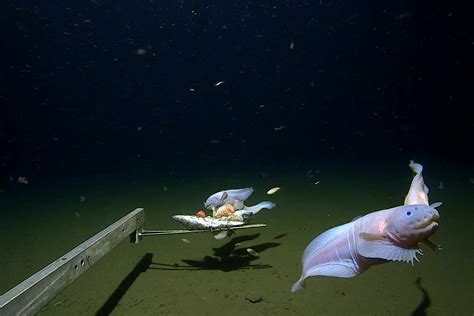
<point x="29" y="296"/>
<point x="147" y="233"/>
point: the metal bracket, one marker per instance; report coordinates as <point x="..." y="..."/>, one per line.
<point x="29" y="296"/>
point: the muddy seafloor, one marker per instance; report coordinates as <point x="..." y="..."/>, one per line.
<point x="164" y="275"/>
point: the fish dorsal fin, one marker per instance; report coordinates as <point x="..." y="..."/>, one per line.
<point x="436" y="204"/>
<point x="379" y="246"/>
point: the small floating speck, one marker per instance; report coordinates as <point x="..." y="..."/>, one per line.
<point x="273" y="190"/>
<point x="279" y="128"/>
<point x="141" y="51"/>
<point x="252" y="252"/>
<point x="317" y="182"/>
<point x="218" y="83"/>
<point x="186" y="241"/>
<point x="23" y="180"/>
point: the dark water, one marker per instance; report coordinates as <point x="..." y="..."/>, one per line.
<point x="106" y="106"/>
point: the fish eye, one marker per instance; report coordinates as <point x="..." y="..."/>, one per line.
<point x="408" y="213"/>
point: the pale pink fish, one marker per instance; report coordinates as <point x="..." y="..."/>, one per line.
<point x="388" y="235"/>
<point x="230" y="196"/>
<point x="418" y="193"/>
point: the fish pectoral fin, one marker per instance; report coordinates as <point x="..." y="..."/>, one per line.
<point x="436" y="204"/>
<point x="224" y="197"/>
<point x="370" y="236"/>
<point x="373" y="247"/>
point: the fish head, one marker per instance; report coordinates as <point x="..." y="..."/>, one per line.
<point x="215" y="200"/>
<point x="182" y="218"/>
<point x="209" y="203"/>
<point x="410" y="224"/>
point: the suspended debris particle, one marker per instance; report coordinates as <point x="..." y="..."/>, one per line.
<point x="273" y="190"/>
<point x="252" y="252"/>
<point x="141" y="51"/>
<point x="186" y="241"/>
<point x="218" y="83"/>
<point x="279" y="128"/>
<point x="23" y="180"/>
<point x="292" y="45"/>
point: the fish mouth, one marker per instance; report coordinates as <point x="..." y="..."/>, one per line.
<point x="428" y="227"/>
<point x="427" y="223"/>
<point x="433" y="221"/>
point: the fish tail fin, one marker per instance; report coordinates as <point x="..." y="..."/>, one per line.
<point x="415" y="167"/>
<point x="258" y="207"/>
<point x="299" y="285"/>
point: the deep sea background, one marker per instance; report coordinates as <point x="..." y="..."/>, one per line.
<point x="106" y="106"/>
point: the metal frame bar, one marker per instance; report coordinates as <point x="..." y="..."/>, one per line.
<point x="29" y="296"/>
<point x="32" y="294"/>
<point x="148" y="233"/>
